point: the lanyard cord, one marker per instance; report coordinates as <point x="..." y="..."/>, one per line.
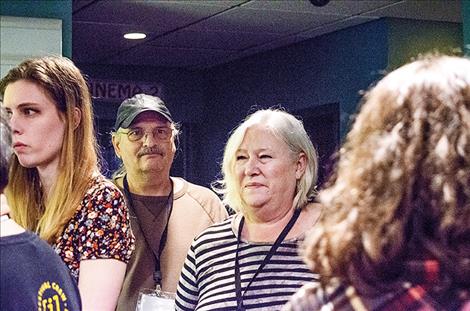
<point x="157" y="274"/>
<point x="271" y="252"/>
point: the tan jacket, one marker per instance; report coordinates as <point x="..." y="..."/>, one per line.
<point x="194" y="209"/>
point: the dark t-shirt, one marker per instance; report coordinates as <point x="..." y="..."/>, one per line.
<point x="148" y="216"/>
<point x="33" y="277"/>
<point x="152" y="215"/>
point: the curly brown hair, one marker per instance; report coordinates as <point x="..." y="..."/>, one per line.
<point x="401" y="187"/>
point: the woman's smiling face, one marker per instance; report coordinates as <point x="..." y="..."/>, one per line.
<point x="267" y="171"/>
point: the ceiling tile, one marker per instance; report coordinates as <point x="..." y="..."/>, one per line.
<point x="92" y="43"/>
<point x="169" y="57"/>
<point x="213" y="39"/>
<point x="220" y="3"/>
<point x="341" y="7"/>
<point x="161" y="16"/>
<point x="256" y="20"/>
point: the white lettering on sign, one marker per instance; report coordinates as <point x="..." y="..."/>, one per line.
<point x="120" y="90"/>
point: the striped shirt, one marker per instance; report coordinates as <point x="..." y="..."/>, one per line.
<point x="207" y="281"/>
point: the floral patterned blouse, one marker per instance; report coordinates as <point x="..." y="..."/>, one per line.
<point x="99" y="229"/>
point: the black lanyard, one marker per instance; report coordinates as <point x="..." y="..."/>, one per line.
<point x="157" y="274"/>
<point x="272" y="251"/>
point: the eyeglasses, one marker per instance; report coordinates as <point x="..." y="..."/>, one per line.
<point x="161" y="133"/>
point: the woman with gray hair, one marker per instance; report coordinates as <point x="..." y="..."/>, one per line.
<point x="250" y="261"/>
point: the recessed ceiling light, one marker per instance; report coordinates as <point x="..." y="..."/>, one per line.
<point x="135" y="35"/>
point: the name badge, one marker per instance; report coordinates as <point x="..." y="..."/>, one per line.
<point x="154" y="299"/>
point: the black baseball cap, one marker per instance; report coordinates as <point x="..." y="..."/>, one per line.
<point x="132" y="107"/>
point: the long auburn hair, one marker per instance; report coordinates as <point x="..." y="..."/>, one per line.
<point x="401" y="189"/>
<point x="64" y="83"/>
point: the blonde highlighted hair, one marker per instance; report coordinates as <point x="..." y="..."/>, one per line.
<point x="401" y="189"/>
<point x="288" y="129"/>
<point x="64" y="83"/>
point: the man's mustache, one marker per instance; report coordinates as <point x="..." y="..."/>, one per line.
<point x="151" y="150"/>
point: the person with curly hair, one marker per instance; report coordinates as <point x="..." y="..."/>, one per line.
<point x="395" y="232"/>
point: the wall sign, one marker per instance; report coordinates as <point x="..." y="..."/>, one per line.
<point x="120" y="90"/>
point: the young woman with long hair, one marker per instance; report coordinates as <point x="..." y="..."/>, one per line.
<point x="55" y="186"/>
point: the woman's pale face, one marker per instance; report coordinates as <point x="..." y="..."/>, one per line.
<point x="267" y="172"/>
<point x="37" y="128"/>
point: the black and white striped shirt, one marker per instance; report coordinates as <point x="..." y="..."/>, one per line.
<point x="207" y="281"/>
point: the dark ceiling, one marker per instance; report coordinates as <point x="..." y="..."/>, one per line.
<point x="205" y="33"/>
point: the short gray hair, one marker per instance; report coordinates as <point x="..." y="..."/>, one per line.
<point x="291" y="131"/>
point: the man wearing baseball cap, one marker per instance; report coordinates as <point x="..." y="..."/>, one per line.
<point x="166" y="212"/>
